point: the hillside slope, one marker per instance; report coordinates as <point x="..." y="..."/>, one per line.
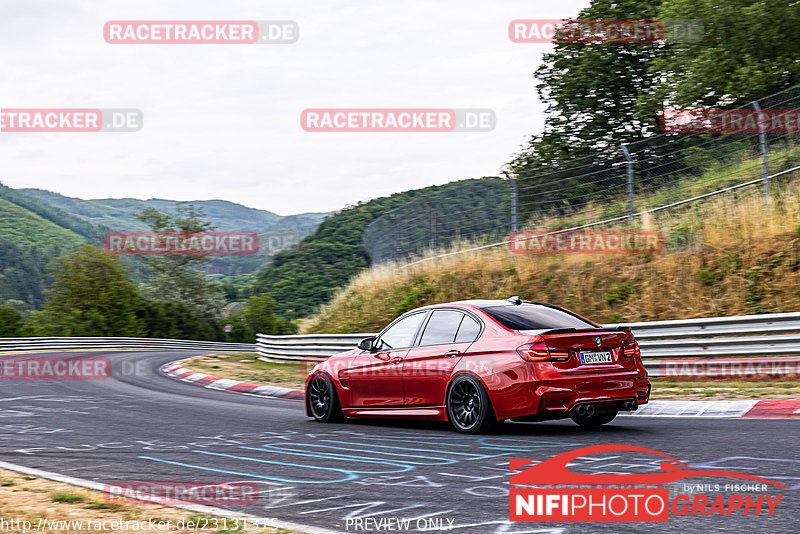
<point x="275" y="232"/>
<point x="722" y="259"/>
<point x="307" y="275"/>
<point x="31" y="233"/>
<point x="120" y="213"/>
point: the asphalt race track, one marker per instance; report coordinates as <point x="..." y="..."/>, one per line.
<point x="141" y="425"/>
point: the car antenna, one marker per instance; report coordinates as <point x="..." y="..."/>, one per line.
<point x="515" y="300"/>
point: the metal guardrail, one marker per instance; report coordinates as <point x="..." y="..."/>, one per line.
<point x="117" y="343"/>
<point x="773" y="323"/>
<point x="745" y="336"/>
<point x="305" y="346"/>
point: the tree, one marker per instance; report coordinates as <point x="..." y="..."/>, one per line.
<point x="749" y="50"/>
<point x="258" y="316"/>
<point x="592" y="90"/>
<point x="178" y="278"/>
<point x="90" y="296"/>
<point x="173" y="320"/>
<point x="10" y="322"/>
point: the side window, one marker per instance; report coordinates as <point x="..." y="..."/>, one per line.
<point x="468" y="331"/>
<point x="441" y="328"/>
<point x="401" y="334"/>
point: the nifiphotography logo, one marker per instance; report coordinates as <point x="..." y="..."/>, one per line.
<point x="540" y="493"/>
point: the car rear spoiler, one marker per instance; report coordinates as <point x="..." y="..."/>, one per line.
<point x="585" y="330"/>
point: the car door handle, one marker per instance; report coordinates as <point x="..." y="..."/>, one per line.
<point x="452" y="353"/>
<point x="383" y="356"/>
<point x="397" y="359"/>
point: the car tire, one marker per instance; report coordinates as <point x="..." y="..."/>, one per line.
<point x="322" y="399"/>
<point x="596" y="419"/>
<point x="468" y="407"/>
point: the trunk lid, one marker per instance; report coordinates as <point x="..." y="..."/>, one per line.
<point x="590" y="350"/>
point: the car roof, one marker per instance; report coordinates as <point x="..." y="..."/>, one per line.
<point x="489" y="303"/>
<point x="485" y="303"/>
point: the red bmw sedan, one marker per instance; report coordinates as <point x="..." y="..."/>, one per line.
<point x="477" y="362"/>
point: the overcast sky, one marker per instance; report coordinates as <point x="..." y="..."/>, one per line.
<point x="223" y="121"/>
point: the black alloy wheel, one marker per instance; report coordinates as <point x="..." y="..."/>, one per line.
<point x="468" y="406"/>
<point x="323" y="402"/>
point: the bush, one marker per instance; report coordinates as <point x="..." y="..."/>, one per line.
<point x="620" y="293"/>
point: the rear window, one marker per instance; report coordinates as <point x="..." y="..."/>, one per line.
<point x="533" y="317"/>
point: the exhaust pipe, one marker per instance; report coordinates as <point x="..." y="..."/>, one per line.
<point x="630" y="406"/>
<point x="584" y="410"/>
<point x="589" y="410"/>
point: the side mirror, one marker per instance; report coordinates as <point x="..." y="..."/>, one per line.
<point x="367" y="344"/>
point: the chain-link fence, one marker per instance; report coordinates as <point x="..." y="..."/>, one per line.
<point x="477" y="210"/>
<point x="614" y="185"/>
<point x="662" y="170"/>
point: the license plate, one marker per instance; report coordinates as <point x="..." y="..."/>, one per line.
<point x="588" y="358"/>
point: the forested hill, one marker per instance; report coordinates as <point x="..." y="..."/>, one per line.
<point x="32" y="232"/>
<point x="307" y="274"/>
<point x="37" y="225"/>
<point x="120" y="213"/>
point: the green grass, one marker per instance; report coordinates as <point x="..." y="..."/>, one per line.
<point x="65" y="496"/>
<point x="5" y="482"/>
<point x="105" y="506"/>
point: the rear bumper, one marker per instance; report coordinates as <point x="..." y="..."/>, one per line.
<point x="555" y="399"/>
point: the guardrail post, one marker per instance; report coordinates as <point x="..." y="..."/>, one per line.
<point x="762" y="142"/>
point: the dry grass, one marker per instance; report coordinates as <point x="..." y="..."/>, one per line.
<point x="726" y="256"/>
<point x="25" y="498"/>
<point x="245" y="367"/>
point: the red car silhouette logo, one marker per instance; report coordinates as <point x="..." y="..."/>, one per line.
<point x="554" y="470"/>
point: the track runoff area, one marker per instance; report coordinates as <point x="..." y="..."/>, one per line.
<point x="138" y="433"/>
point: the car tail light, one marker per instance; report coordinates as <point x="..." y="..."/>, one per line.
<point x="540" y="352"/>
<point x="631" y="349"/>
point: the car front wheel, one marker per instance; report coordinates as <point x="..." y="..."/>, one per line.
<point x="323" y="402"/>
